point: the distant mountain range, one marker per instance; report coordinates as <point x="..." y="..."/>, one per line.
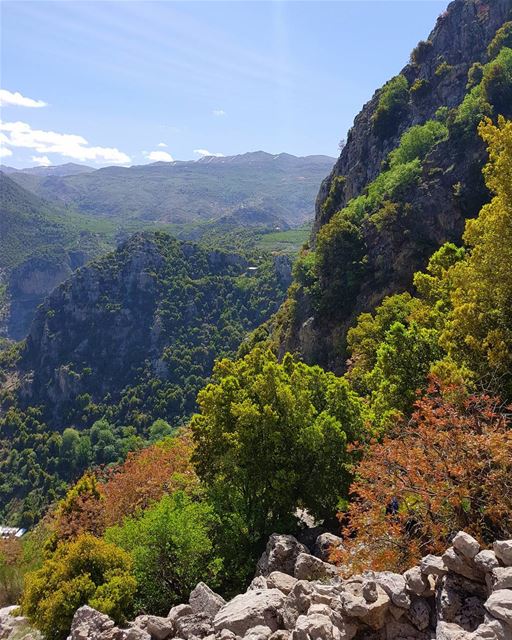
<point x="55" y="219"/>
<point x="68" y="169"/>
<point x="257" y="184"/>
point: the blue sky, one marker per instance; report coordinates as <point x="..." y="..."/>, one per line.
<point x="122" y="79"/>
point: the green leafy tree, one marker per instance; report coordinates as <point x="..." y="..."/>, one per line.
<point x="479" y="328"/>
<point x="272" y="437"/>
<point x="172" y="548"/>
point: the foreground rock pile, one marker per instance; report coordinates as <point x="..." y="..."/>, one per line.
<point x="465" y="594"/>
<point x="15" y="627"/>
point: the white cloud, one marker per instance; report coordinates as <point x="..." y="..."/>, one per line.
<point x="159" y="156"/>
<point x="21" y="134"/>
<point x="8" y="98"/>
<point x="204" y="152"/>
<point x="42" y="161"/>
<point x="218" y="113"/>
<point x="4" y="152"/>
<point x="161" y="144"/>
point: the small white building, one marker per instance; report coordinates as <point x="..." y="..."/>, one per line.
<point x="11" y="532"/>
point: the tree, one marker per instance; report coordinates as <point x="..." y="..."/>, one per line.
<point x="86" y="571"/>
<point x="171" y="544"/>
<point x="479" y="329"/>
<point x="448" y="468"/>
<point x="146" y="475"/>
<point x="272" y="437"/>
<point x="82" y="510"/>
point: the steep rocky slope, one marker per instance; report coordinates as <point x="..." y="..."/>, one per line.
<point x="156" y="308"/>
<point x="41" y="243"/>
<point x="367" y="250"/>
<point x="465" y="594"/>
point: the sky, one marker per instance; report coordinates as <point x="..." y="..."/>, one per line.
<point x="128" y="82"/>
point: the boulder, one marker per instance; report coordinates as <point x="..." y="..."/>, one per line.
<point x="451" y="631"/>
<point x="416" y="582"/>
<point x="280" y="634"/>
<point x="395" y="586"/>
<point x="500" y="578"/>
<point x="297" y="602"/>
<point x="259" y="582"/>
<point x="159" y="628"/>
<point x="308" y="567"/>
<point x="280" y="555"/>
<point x="492" y="629"/>
<point x="203" y="600"/>
<point x="260" y="632"/>
<point x="281" y="581"/>
<point x="433" y="566"/>
<point x="457" y="563"/>
<point x="324" y="544"/>
<point x="499" y="605"/>
<point x="402" y="630"/>
<point x="130" y="634"/>
<point x="353" y="605"/>
<point x="249" y="610"/>
<point x="503" y="551"/>
<point x="180" y="610"/>
<point x="89" y="623"/>
<point x="315" y="627"/>
<point x="195" y="625"/>
<point x="419" y="613"/>
<point x="486" y="560"/>
<point x="466" y="544"/>
<point x="460" y="600"/>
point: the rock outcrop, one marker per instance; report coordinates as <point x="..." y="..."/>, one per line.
<point x="16" y="627"/>
<point x="465" y="594"/>
<point x="380" y="260"/>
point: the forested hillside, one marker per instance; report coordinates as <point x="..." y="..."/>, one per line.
<point x="126" y="341"/>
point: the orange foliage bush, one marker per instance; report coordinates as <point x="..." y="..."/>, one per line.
<point x="80" y="511"/>
<point x="449" y="468"/>
<point x="146" y="475"/>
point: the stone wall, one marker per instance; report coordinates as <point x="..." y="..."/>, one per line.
<point x="465" y="594"/>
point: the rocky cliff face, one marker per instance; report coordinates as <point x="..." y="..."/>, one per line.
<point x="465" y="594"/>
<point x="432" y="210"/>
<point x="31" y="281"/>
<point x="459" y="39"/>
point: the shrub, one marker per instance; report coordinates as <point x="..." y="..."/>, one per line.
<point x="393" y="101"/>
<point x="419" y="88"/>
<point x="417" y="141"/>
<point x="502" y="38"/>
<point x="449" y="468"/>
<point x="421" y="51"/>
<point x="442" y="69"/>
<point x="86" y="571"/>
<point x="146" y="475"/>
<point x="470" y="113"/>
<point x="475" y="75"/>
<point x="497" y="83"/>
<point x="172" y="549"/>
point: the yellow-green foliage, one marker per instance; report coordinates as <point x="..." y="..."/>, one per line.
<point x="87" y="571"/>
<point x="443" y="68"/>
<point x="503" y="38"/>
<point x="479" y="329"/>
